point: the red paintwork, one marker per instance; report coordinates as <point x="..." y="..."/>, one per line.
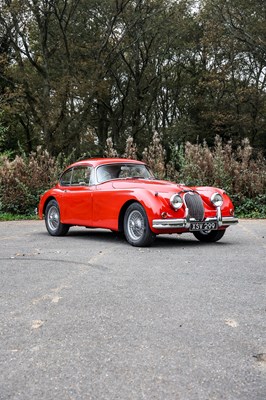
<point x="101" y="204"/>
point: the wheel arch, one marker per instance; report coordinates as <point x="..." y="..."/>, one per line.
<point x="151" y="204"/>
<point x="123" y="211"/>
<point x="46" y="203"/>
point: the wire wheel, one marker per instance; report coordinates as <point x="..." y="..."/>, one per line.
<point x="135" y="225"/>
<point x="52" y="220"/>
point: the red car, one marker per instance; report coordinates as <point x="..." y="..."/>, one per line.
<point x="124" y="196"/>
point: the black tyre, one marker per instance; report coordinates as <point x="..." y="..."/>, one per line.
<point x="136" y="226"/>
<point x="211" y="236"/>
<point x="52" y="220"/>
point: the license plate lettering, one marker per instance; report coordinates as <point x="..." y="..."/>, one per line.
<point x="205" y="226"/>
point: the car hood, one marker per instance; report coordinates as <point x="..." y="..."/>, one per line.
<point x="154" y="185"/>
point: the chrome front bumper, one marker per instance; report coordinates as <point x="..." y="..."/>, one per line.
<point x="185" y="222"/>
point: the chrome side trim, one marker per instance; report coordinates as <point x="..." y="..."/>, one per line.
<point x="185" y="222"/>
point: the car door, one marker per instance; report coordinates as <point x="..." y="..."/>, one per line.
<point x="76" y="200"/>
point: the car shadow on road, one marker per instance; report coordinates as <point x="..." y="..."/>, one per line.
<point x="160" y="241"/>
<point x="164" y="241"/>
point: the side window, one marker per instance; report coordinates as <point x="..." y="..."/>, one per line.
<point x="81" y="176"/>
<point x="107" y="172"/>
<point x="66" y="178"/>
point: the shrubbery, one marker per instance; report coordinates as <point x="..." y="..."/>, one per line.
<point x="239" y="172"/>
<point x="24" y="179"/>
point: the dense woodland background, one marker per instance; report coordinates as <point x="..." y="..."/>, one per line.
<point x="86" y="77"/>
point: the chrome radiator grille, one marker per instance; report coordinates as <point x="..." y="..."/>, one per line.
<point x="195" y="206"/>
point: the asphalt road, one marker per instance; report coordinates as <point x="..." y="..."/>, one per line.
<point x="88" y="317"/>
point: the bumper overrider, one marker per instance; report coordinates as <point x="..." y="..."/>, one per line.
<point x="170" y="223"/>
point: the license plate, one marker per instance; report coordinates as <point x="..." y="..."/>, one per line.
<point x="204" y="226"/>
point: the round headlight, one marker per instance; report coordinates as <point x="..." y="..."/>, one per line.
<point x="176" y="201"/>
<point x="217" y="199"/>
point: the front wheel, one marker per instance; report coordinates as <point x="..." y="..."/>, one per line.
<point x="210" y="236"/>
<point x="52" y="220"/>
<point x="136" y="226"/>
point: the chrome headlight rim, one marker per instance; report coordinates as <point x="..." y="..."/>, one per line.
<point x="176" y="201"/>
<point x="217" y="199"/>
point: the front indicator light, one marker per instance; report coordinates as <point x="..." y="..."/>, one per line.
<point x="176" y="201"/>
<point x="217" y="200"/>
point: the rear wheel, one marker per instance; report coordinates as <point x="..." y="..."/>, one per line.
<point x="136" y="226"/>
<point x="52" y="220"/>
<point x="210" y="236"/>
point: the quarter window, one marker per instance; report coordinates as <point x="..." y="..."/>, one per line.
<point x="66" y="178"/>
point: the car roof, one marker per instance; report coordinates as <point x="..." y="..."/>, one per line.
<point x="95" y="162"/>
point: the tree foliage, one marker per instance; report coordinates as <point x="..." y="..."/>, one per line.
<point x="74" y="73"/>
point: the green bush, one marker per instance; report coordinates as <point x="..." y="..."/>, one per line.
<point x="252" y="208"/>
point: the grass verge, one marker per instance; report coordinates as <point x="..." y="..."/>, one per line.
<point x="16" y="217"/>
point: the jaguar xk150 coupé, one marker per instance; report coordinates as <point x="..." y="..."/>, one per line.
<point x="124" y="196"/>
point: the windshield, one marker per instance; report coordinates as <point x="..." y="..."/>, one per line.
<point x="123" y="171"/>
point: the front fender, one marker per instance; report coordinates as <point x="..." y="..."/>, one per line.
<point x="109" y="213"/>
<point x="45" y="198"/>
<point x="155" y="205"/>
<point x="206" y="193"/>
